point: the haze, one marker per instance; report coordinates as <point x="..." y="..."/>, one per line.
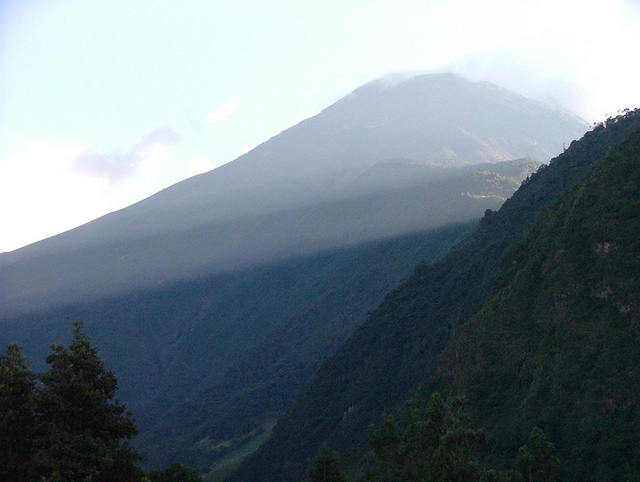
<point x="104" y="103"/>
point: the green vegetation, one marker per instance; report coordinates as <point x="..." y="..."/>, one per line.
<point x="326" y="467"/>
<point x="224" y="467"/>
<point x="176" y="472"/>
<point x="17" y="430"/>
<point x="556" y="344"/>
<point x="64" y="424"/>
<point x="535" y="460"/>
<point x="304" y="310"/>
<point x="399" y="347"/>
<point x="436" y="444"/>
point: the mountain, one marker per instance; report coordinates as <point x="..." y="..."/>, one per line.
<point x="216" y="300"/>
<point x="296" y="194"/>
<point x="398" y="348"/>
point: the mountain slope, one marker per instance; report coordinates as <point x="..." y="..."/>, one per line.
<point x="181" y="351"/>
<point x="397" y="348"/>
<point x="280" y="200"/>
<point x="556" y="344"/>
<point x="261" y="383"/>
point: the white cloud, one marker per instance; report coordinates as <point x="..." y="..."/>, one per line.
<point x="116" y="166"/>
<point x="49" y="188"/>
<point x="575" y="52"/>
<point x="531" y="70"/>
<point x="41" y="195"/>
<point x="222" y="112"/>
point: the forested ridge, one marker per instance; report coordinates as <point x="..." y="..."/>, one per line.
<point x="398" y="349"/>
<point x="556" y="344"/>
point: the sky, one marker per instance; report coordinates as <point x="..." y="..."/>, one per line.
<point x="105" y="102"/>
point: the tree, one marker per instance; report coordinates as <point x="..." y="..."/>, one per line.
<point x="435" y="446"/>
<point x="17" y="383"/>
<point x="64" y="424"/>
<point x="423" y="437"/>
<point x="326" y="467"/>
<point x="79" y="426"/>
<point x="176" y="472"/>
<point x="387" y="447"/>
<point x="456" y="451"/>
<point x="535" y="461"/>
<point x="438" y="446"/>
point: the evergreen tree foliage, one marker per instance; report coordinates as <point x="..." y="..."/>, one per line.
<point x="67" y="426"/>
<point x="17" y="383"/>
<point x="556" y="344"/>
<point x="326" y="467"/>
<point x="437" y="445"/>
<point x="535" y="461"/>
<point x="79" y="425"/>
<point x="385" y="442"/>
<point x="456" y="457"/>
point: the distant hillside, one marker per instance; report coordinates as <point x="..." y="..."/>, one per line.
<point x="557" y="344"/>
<point x="316" y="186"/>
<point x="397" y="349"/>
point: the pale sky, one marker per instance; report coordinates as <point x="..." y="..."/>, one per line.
<point x="105" y="102"/>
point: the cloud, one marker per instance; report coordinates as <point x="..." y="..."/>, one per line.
<point x="531" y="70"/>
<point x="43" y="196"/>
<point x="222" y="112"/>
<point x="117" y="166"/>
<point x="192" y="120"/>
<point x="45" y="189"/>
<point x="532" y="48"/>
<point x="161" y="135"/>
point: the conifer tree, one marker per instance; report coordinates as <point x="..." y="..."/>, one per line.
<point x="79" y="426"/>
<point x="326" y="467"/>
<point x="17" y="383"/>
<point x="535" y="460"/>
<point x="436" y="446"/>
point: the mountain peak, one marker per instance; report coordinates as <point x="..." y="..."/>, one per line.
<point x="437" y="119"/>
